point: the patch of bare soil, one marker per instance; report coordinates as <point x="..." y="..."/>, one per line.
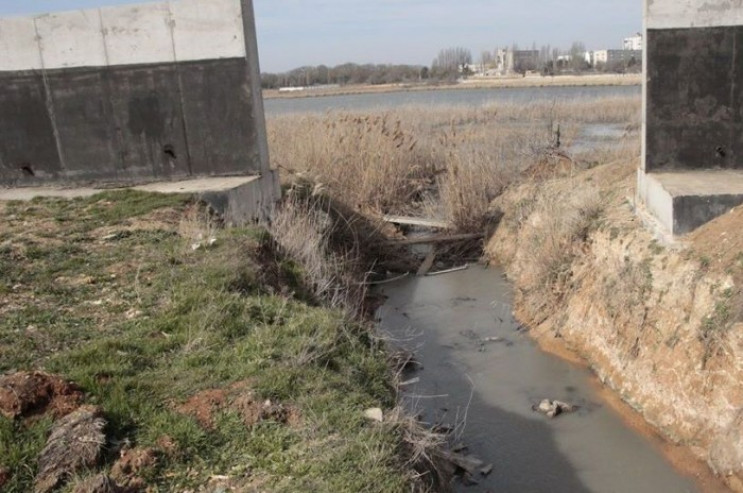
<point x="27" y="394"/>
<point x="204" y="405"/>
<point x="131" y="464"/>
<point x="75" y="445"/>
<point x="253" y="410"/>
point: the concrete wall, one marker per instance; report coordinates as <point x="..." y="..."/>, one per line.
<point x="694" y="85"/>
<point x="130" y="94"/>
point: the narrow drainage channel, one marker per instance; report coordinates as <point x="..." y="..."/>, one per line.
<point x="481" y="374"/>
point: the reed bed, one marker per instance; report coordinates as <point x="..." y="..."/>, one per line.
<point x="445" y="161"/>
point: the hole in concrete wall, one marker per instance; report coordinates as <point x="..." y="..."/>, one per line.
<point x="720" y="152"/>
<point x="169" y="150"/>
<point x="27" y="170"/>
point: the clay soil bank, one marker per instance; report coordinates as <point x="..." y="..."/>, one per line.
<point x="659" y="324"/>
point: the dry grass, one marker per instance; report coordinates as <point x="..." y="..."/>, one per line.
<point x="561" y="223"/>
<point x="449" y="162"/>
<point x="302" y="231"/>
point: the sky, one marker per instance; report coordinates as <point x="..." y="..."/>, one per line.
<point x="293" y="33"/>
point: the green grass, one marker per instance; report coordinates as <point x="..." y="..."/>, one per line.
<point x="142" y="322"/>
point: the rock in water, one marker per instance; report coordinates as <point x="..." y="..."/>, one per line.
<point x="545" y="406"/>
<point x="74" y="445"/>
<point x="553" y="408"/>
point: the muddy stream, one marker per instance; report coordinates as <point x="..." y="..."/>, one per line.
<point x="481" y="374"/>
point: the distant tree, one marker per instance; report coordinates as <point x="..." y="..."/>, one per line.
<point x="348" y="73"/>
<point x="450" y="61"/>
<point x="269" y="81"/>
<point x="487" y="59"/>
<point x="577" y="54"/>
<point x="546" y="61"/>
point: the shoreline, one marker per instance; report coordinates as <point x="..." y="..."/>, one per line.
<point x="469" y="84"/>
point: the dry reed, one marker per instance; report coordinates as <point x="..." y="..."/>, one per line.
<point x="447" y="161"/>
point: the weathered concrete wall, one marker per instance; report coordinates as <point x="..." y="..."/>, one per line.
<point x="131" y="94"/>
<point x="694" y="85"/>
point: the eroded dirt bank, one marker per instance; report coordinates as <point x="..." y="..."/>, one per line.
<point x="659" y="325"/>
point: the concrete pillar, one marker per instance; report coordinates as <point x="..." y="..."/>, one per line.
<point x="157" y="91"/>
<point x="692" y="168"/>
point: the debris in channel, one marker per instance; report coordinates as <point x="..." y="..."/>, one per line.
<point x="552" y="409"/>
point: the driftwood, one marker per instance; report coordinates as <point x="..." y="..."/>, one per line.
<point x="469" y="463"/>
<point x="417" y="221"/>
<point x="427" y="263"/>
<point x="449" y="271"/>
<point x="386" y="281"/>
<point x="435" y="239"/>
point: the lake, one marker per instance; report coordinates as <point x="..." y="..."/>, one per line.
<point x="442" y="97"/>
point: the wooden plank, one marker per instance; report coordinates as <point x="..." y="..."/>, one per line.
<point x="417" y="221"/>
<point x="449" y="271"/>
<point x="436" y="239"/>
<point x="427" y="263"/>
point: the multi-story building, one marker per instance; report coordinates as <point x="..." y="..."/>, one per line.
<point x="633" y="43"/>
<point x="509" y="61"/>
<point x="612" y="57"/>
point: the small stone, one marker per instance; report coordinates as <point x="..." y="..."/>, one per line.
<point x="374" y="414"/>
<point x="485" y="471"/>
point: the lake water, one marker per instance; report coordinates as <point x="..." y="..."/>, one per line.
<point x="482" y="373"/>
<point x="443" y="97"/>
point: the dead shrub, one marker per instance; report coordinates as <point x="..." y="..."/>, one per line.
<point x="559" y="226"/>
<point x="302" y="231"/>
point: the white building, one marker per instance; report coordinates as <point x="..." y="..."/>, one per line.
<point x="610" y="57"/>
<point x="633" y="43"/>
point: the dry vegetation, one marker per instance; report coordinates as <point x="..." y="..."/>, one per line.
<point x="449" y="162"/>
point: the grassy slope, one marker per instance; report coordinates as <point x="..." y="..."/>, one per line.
<point x="107" y="292"/>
